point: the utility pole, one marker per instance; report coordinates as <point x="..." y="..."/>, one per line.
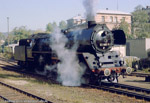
<point x="8" y="29"/>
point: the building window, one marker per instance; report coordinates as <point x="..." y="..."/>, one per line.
<point x="116" y="20"/>
<point x="111" y="19"/>
<point x="103" y="18"/>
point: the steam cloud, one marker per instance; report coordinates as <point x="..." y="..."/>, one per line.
<point x="69" y="70"/>
<point x="90" y="10"/>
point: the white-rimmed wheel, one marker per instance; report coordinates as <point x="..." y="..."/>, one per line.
<point x="128" y="70"/>
<point x="107" y="72"/>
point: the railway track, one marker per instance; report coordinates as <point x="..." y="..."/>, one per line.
<point x="12" y="94"/>
<point x="139" y="74"/>
<point x="16" y="95"/>
<point x="146" y="75"/>
<point x="128" y="87"/>
<point x="11" y="62"/>
<point x="128" y="90"/>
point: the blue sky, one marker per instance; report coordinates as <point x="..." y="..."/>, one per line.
<point x="35" y="14"/>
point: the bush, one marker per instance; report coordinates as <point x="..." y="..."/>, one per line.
<point x="147" y="70"/>
<point x="8" y="53"/>
<point x="130" y="59"/>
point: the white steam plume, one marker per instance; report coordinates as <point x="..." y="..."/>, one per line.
<point x="69" y="70"/>
<point x="90" y="9"/>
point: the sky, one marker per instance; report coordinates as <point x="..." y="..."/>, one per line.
<point x="36" y="14"/>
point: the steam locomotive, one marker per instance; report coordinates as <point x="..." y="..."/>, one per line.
<point x="95" y="42"/>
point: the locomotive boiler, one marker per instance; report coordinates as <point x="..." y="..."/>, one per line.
<point x="94" y="44"/>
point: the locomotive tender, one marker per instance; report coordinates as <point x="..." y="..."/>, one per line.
<point x="94" y="44"/>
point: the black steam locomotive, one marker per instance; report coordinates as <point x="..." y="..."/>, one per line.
<point x="95" y="42"/>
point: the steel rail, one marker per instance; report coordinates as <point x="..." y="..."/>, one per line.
<point x="26" y="93"/>
<point x="128" y="93"/>
<point x="5" y="99"/>
<point x="129" y="87"/>
<point x="139" y="74"/>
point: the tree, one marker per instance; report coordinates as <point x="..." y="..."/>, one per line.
<point x="50" y="27"/>
<point x="2" y="37"/>
<point x="9" y="39"/>
<point x="62" y="25"/>
<point x="141" y="23"/>
<point x="20" y="33"/>
<point x="17" y="34"/>
<point x="54" y="25"/>
<point x="125" y="27"/>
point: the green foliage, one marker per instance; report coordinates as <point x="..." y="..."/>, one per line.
<point x="8" y="52"/>
<point x="54" y="25"/>
<point x="9" y="39"/>
<point x="1" y="49"/>
<point x="50" y="27"/>
<point x="2" y="37"/>
<point x="62" y="25"/>
<point x="141" y="23"/>
<point x="17" y="34"/>
<point x="125" y="27"/>
<point x="7" y="49"/>
<point x="20" y="33"/>
<point x="129" y="60"/>
<point x="147" y="70"/>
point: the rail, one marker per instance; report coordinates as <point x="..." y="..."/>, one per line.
<point x="146" y="75"/>
<point x="130" y="91"/>
<point x="23" y="92"/>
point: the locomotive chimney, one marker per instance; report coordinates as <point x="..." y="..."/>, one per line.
<point x="91" y="24"/>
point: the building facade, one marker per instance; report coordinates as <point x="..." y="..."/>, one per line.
<point x="138" y="47"/>
<point x="109" y="17"/>
<point x="77" y="20"/>
<point x="112" y="18"/>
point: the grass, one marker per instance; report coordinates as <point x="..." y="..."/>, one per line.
<point x="147" y="70"/>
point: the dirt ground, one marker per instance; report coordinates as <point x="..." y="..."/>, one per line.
<point x="61" y="94"/>
<point x="135" y="81"/>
